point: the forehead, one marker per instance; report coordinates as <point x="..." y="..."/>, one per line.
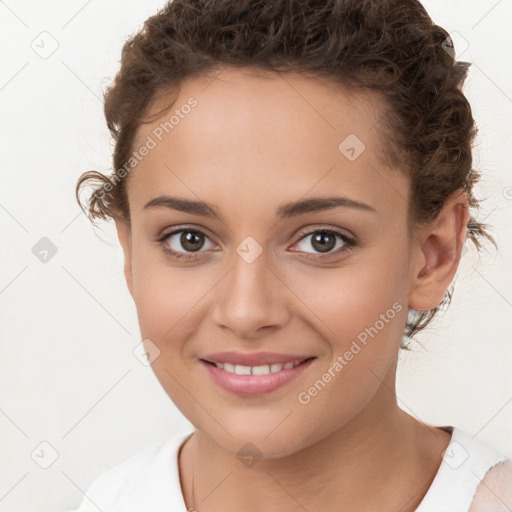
<point x="244" y="98"/>
<point x="264" y="135"/>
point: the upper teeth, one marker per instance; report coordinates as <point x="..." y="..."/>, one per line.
<point x="256" y="370"/>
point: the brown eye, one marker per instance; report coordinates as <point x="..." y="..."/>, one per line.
<point x="191" y="240"/>
<point x="325" y="241"/>
<point x="182" y="243"/>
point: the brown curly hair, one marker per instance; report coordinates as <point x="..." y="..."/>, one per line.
<point x="389" y="46"/>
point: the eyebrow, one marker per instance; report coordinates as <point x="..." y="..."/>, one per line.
<point x="287" y="210"/>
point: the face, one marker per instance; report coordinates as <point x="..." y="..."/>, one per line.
<point x="327" y="281"/>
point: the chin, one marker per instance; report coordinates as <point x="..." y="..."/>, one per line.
<point x="258" y="441"/>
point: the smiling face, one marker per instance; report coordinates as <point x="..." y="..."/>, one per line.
<point x="259" y="274"/>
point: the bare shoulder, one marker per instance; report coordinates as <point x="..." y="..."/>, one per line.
<point x="494" y="493"/>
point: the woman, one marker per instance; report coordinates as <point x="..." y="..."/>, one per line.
<point x="292" y="189"/>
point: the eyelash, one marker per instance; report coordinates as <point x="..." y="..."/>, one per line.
<point x="350" y="243"/>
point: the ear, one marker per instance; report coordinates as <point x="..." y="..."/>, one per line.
<point x="436" y="253"/>
<point x="124" y="234"/>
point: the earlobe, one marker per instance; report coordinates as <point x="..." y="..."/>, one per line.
<point x="438" y="252"/>
<point x="124" y="236"/>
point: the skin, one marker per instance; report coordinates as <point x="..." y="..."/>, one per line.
<point x="251" y="144"/>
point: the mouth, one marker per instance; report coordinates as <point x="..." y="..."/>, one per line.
<point x="262" y="369"/>
<point x="258" y="380"/>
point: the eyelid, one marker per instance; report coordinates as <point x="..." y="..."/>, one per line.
<point x="176" y="229"/>
<point x="340" y="231"/>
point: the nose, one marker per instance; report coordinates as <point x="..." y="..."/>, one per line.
<point x="251" y="300"/>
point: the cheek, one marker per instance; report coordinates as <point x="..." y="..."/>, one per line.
<point x="166" y="301"/>
<point x="169" y="301"/>
<point x="166" y="296"/>
<point x="360" y="312"/>
<point x="360" y="328"/>
<point x="346" y="302"/>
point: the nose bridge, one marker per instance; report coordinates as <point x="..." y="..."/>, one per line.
<point x="248" y="297"/>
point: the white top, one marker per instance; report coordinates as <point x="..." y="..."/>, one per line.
<point x="149" y="480"/>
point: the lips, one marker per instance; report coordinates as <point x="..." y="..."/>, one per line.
<point x="254" y="374"/>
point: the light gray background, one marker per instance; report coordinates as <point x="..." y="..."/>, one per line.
<point x="68" y="326"/>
